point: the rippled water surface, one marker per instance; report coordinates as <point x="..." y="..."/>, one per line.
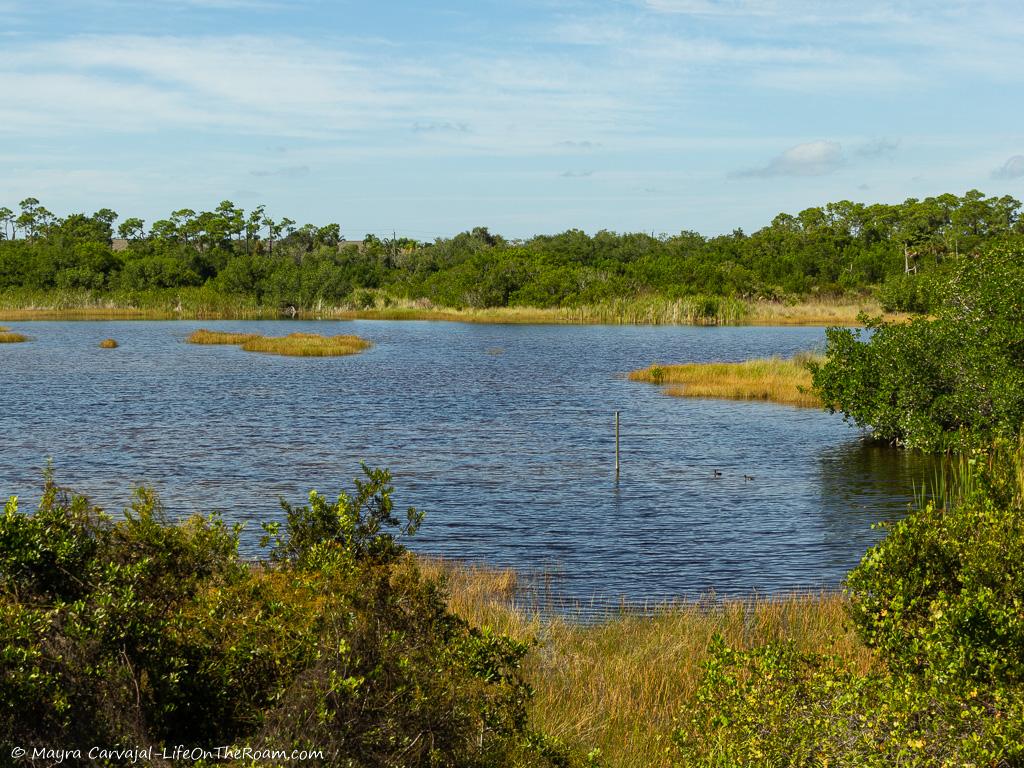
<point x="502" y="434"/>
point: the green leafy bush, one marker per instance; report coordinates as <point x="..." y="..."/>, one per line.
<point x="773" y="706"/>
<point x="942" y="596"/>
<point x="941" y="600"/>
<point x="143" y="631"/>
<point x="949" y="382"/>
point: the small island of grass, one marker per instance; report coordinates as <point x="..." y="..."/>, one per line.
<point x="108" y="344"/>
<point x="9" y="337"/>
<point x="293" y="345"/>
<point x="777" y="380"/>
<point x="204" y="336"/>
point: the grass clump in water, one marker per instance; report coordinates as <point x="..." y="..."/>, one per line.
<point x="204" y="336"/>
<point x="785" y="381"/>
<point x="108" y="344"/>
<point x="307" y="345"/>
<point x="8" y="337"/>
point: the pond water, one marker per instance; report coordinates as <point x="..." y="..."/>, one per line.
<point x="502" y="434"/>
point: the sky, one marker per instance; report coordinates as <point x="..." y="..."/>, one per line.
<point x="524" y="116"/>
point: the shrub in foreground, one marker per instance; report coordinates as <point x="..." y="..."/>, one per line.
<point x="143" y="631"/>
<point x="941" y="600"/>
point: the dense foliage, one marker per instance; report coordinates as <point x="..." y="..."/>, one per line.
<point x="941" y="599"/>
<point x="146" y="632"/>
<point x="840" y="248"/>
<point x="948" y="381"/>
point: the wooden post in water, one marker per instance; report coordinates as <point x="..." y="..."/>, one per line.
<point x="616" y="445"/>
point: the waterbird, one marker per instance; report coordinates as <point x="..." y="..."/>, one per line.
<point x="718" y="472"/>
<point x="747" y="477"/>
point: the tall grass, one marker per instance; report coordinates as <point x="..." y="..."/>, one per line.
<point x="205" y="336"/>
<point x="307" y="345"/>
<point x="205" y="302"/>
<point x="294" y="344"/>
<point x="616" y="684"/>
<point x="785" y="381"/>
<point x="7" y="337"/>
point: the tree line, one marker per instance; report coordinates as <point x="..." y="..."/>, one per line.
<point x="838" y="249"/>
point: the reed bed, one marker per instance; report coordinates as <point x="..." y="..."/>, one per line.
<point x="108" y="344"/>
<point x="785" y="381"/>
<point x="207" y="303"/>
<point x="9" y="337"/>
<point x="835" y="312"/>
<point x="307" y="345"/>
<point x="205" y="336"/>
<point x="617" y="684"/>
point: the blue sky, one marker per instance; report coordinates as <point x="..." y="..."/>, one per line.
<point x="429" y="118"/>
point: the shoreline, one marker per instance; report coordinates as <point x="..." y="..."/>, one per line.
<point x="824" y="314"/>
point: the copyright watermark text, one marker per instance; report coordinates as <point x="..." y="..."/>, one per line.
<point x="135" y="755"/>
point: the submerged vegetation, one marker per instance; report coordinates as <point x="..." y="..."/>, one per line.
<point x="785" y="381"/>
<point x="232" y="263"/>
<point x="294" y="344"/>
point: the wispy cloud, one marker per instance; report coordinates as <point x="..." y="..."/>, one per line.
<point x="875" y="148"/>
<point x="289" y="172"/>
<point x="440" y="127"/>
<point x="815" y="158"/>
<point x="1013" y="168"/>
<point x="576" y="174"/>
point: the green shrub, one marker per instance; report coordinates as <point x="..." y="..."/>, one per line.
<point x="942" y="595"/>
<point x="144" y="631"/>
<point x="950" y="382"/>
<point x="776" y="707"/>
<point x="941" y="600"/>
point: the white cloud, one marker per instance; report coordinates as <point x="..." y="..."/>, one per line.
<point x="814" y="158"/>
<point x="1013" y="168"/>
<point x="875" y="148"/>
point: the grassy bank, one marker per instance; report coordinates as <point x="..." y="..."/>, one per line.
<point x="206" y="304"/>
<point x="785" y="381"/>
<point x="617" y="684"/>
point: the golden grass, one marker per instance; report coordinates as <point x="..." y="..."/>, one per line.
<point x="307" y="345"/>
<point x="294" y="344"/>
<point x="618" y="684"/>
<point x="785" y="381"/>
<point x="108" y="344"/>
<point x="204" y="336"/>
<point x="836" y="312"/>
<point x="625" y="311"/>
<point x="12" y="338"/>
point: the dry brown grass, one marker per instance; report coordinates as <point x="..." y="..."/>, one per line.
<point x="7" y="337"/>
<point x="108" y="344"/>
<point x="785" y="381"/>
<point x="307" y="345"/>
<point x="204" y="336"/>
<point x="618" y="684"/>
<point x="837" y="312"/>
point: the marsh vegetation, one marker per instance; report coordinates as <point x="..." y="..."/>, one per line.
<point x="777" y="380"/>
<point x="293" y="345"/>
